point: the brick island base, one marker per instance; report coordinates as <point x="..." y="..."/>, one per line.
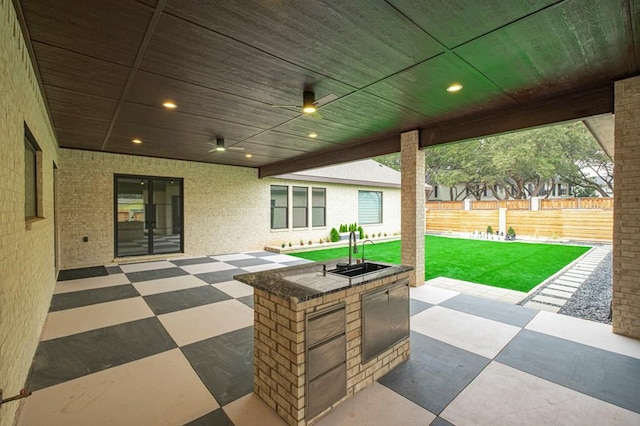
<point x="280" y="351"/>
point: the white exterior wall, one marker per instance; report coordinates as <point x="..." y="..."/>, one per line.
<point x="342" y="207"/>
<point x="226" y="209"/>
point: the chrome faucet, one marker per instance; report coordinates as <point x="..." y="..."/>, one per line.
<point x="355" y="245"/>
<point x="365" y="241"/>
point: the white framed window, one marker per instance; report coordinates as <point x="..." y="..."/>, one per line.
<point x="318" y="206"/>
<point x="279" y="207"/>
<point x="369" y="207"/>
<point x="300" y="207"/>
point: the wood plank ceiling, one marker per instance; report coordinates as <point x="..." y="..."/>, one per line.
<point x="107" y="66"/>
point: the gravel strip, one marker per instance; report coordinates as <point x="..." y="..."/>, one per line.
<point x="592" y="300"/>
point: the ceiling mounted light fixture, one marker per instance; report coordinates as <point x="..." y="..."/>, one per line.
<point x="454" y="87"/>
<point x="169" y="105"/>
<point x="308" y="102"/>
<point x="313" y="135"/>
<point x="136" y="140"/>
<point x="248" y="155"/>
<point x="220" y="144"/>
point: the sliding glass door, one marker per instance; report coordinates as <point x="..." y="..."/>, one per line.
<point x="148" y="215"/>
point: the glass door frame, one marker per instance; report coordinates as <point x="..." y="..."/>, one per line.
<point x="149" y="219"/>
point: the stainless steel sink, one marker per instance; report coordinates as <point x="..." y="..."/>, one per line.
<point x="358" y="269"/>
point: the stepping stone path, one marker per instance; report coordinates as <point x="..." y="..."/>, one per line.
<point x="556" y="292"/>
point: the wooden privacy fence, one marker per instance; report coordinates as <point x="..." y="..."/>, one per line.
<point x="589" y="219"/>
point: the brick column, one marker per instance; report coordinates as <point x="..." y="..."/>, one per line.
<point x="626" y="219"/>
<point x="413" y="206"/>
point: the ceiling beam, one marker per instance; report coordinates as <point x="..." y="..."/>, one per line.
<point x="344" y="154"/>
<point x="565" y="107"/>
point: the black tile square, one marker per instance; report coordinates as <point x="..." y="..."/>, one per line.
<point x="215" y="418"/>
<point x="241" y="263"/>
<point x="74" y="274"/>
<point x="155" y="274"/>
<point x="80" y="298"/>
<point x="220" y="276"/>
<point x="434" y="374"/>
<point x="163" y="303"/>
<point x="224" y="364"/>
<point x="295" y="262"/>
<point x="439" y="421"/>
<point x="262" y="253"/>
<point x="601" y="374"/>
<point x="194" y="261"/>
<point x="112" y="270"/>
<point x="70" y="357"/>
<point x="247" y="300"/>
<point x="417" y="306"/>
<point x="515" y="315"/>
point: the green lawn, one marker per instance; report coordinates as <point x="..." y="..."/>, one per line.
<point x="513" y="265"/>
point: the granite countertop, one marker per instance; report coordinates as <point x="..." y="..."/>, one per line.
<point x="303" y="282"/>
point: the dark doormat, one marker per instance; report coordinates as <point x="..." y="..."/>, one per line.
<point x="74" y="274"/>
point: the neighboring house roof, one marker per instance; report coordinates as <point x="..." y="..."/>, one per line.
<point x="362" y="173"/>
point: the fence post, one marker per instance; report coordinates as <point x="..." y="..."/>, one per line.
<point x="535" y="203"/>
<point x="467" y="204"/>
<point x="502" y="220"/>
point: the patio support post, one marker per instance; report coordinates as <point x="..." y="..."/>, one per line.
<point x="626" y="221"/>
<point x="413" y="205"/>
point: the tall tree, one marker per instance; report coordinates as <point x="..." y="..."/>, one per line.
<point x="520" y="163"/>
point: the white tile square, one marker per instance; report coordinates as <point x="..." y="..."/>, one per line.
<point x="377" y="405"/>
<point x="430" y="294"/>
<point x="235" y="288"/>
<point x="90" y="283"/>
<point x="265" y="267"/>
<point x="469" y="332"/>
<point x="502" y="395"/>
<point x="162" y="389"/>
<point x="164" y="285"/>
<point x="251" y="410"/>
<point x="281" y="258"/>
<point x="586" y="332"/>
<point x="146" y="266"/>
<point x="199" y="323"/>
<point x="202" y="268"/>
<point x="85" y="318"/>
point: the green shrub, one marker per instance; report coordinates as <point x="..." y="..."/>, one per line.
<point x="335" y="235"/>
<point x="489" y="230"/>
<point x="360" y="232"/>
<point x="511" y="231"/>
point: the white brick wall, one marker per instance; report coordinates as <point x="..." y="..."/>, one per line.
<point x="226" y="209"/>
<point x="26" y="256"/>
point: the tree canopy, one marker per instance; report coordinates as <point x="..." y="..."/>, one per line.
<point x="520" y="163"/>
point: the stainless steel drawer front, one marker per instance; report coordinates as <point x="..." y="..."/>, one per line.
<point x="327" y="355"/>
<point x="326" y="389"/>
<point x="323" y="327"/>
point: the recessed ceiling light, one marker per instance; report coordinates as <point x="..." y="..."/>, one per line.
<point x="455" y="87"/>
<point x="248" y="155"/>
<point x="136" y="140"/>
<point x="169" y="105"/>
<point x="313" y="135"/>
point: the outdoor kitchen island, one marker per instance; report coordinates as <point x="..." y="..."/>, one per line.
<point x="322" y="333"/>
